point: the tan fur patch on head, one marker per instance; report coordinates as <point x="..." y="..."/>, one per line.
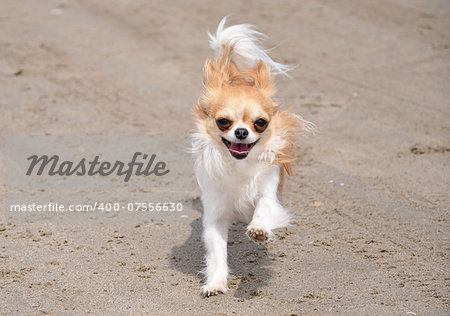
<point x="246" y="96"/>
<point x="222" y="73"/>
<point x="235" y="95"/>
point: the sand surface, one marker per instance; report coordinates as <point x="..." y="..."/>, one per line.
<point x="370" y="194"/>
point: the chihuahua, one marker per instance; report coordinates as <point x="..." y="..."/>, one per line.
<point x="243" y="145"/>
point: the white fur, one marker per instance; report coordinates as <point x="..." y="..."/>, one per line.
<point x="236" y="190"/>
<point x="247" y="48"/>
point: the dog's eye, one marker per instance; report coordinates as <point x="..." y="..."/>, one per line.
<point x="223" y="124"/>
<point x="261" y="125"/>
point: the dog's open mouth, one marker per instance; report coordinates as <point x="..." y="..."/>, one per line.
<point x="238" y="150"/>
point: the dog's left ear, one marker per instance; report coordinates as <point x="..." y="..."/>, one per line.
<point x="264" y="80"/>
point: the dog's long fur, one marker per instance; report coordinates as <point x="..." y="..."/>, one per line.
<point x="239" y="91"/>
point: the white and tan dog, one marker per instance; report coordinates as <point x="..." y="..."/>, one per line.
<point x="243" y="145"/>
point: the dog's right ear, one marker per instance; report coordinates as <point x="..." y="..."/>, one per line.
<point x="213" y="79"/>
<point x="213" y="75"/>
<point x="216" y="74"/>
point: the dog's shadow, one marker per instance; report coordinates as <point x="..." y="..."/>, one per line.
<point x="249" y="262"/>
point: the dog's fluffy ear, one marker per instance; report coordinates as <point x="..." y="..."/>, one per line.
<point x="213" y="75"/>
<point x="263" y="80"/>
<point x="213" y="79"/>
<point x="216" y="74"/>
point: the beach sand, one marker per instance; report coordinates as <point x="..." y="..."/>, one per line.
<point x="370" y="193"/>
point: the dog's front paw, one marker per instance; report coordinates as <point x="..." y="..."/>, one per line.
<point x="214" y="289"/>
<point x="257" y="234"/>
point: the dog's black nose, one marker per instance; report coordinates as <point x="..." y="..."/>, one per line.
<point x="241" y="133"/>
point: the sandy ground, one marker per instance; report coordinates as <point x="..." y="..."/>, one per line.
<point x="370" y="193"/>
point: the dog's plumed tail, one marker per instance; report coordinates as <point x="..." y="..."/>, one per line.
<point x="246" y="43"/>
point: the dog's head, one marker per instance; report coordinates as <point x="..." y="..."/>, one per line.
<point x="237" y="111"/>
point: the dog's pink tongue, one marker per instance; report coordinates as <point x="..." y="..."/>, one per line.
<point x="239" y="148"/>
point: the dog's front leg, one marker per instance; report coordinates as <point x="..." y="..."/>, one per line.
<point x="268" y="214"/>
<point x="215" y="234"/>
